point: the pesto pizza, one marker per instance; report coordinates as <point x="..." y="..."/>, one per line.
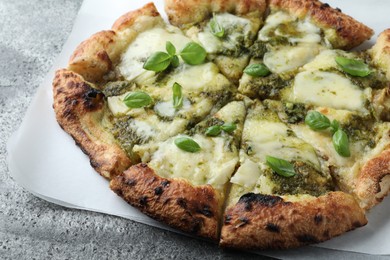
<point x="250" y="123"/>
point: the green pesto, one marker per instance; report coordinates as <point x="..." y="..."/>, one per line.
<point x="296" y="112"/>
<point x="258" y="49"/>
<point x="267" y="87"/>
<point x="307" y="180"/>
<point x="116" y="88"/>
<point x="360" y="129"/>
<point x="126" y="136"/>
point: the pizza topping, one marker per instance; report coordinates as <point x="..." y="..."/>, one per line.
<point x="158" y="61"/>
<point x="280" y="166"/>
<point x="177" y="95"/>
<point x="328" y="89"/>
<point x="341" y="143"/>
<point x="353" y="67"/>
<point x="193" y="54"/>
<point x="257" y="70"/>
<point x="317" y="121"/>
<point x="137" y="99"/>
<point x="216" y="29"/>
<point x="215" y="130"/>
<point x="187" y="144"/>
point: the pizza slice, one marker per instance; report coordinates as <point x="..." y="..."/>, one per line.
<point x="353" y="101"/>
<point x="184" y="182"/>
<point x="281" y="196"/>
<point x="225" y="29"/>
<point x="137" y="105"/>
<point x="293" y="34"/>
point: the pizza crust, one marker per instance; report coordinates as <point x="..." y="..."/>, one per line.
<point x="79" y="110"/>
<point x="96" y="56"/>
<point x="380" y="52"/>
<point x="342" y="31"/>
<point x="176" y="202"/>
<point x="265" y="221"/>
<point x="373" y="183"/>
<point x="181" y="12"/>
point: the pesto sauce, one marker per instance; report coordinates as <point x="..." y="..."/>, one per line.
<point x="267" y="87"/>
<point x="126" y="136"/>
<point x="360" y="129"/>
<point x="258" y="49"/>
<point x="306" y="181"/>
<point x="116" y="88"/>
<point x="296" y="112"/>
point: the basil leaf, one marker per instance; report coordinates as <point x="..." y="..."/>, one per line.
<point x="158" y="61"/>
<point x="229" y="127"/>
<point x="216" y="29"/>
<point x="175" y="61"/>
<point x="187" y="144"/>
<point x="170" y="48"/>
<point x="177" y="95"/>
<point x="280" y="166"/>
<point x="257" y="70"/>
<point x="137" y="99"/>
<point x="341" y="143"/>
<point x="353" y="67"/>
<point x="335" y="125"/>
<point x="317" y="121"/>
<point x="193" y="53"/>
<point x="214" y="130"/>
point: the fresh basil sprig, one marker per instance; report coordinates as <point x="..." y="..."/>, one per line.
<point x="192" y="54"/>
<point x="137" y="99"/>
<point x="216" y="29"/>
<point x="353" y="67"/>
<point x="317" y="121"/>
<point x="177" y="95"/>
<point x="187" y="144"/>
<point x="341" y="143"/>
<point x="257" y="70"/>
<point x="216" y="130"/>
<point x="280" y="166"/>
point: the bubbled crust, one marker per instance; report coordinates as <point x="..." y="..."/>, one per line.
<point x="181" y="12"/>
<point x="349" y="33"/>
<point x="373" y="183"/>
<point x="265" y="221"/>
<point x="380" y="52"/>
<point x="172" y="201"/>
<point x="97" y="55"/>
<point x="79" y="110"/>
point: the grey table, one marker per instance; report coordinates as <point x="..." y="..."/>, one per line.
<point x="32" y="34"/>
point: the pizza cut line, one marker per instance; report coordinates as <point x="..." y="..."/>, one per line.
<point x="250" y="123"/>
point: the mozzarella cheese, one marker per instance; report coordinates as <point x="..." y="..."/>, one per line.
<point x="288" y="58"/>
<point x="328" y="89"/>
<point x="305" y="31"/>
<point x="147" y="43"/>
<point x="213" y="165"/>
<point x="236" y="28"/>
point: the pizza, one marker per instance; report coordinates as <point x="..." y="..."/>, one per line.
<point x="251" y="123"/>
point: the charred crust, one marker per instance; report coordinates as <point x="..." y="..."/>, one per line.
<point x="307" y="239"/>
<point x="271" y="227"/>
<point x="318" y="219"/>
<point x="264" y="200"/>
<point x="158" y="191"/>
<point x="174" y="202"/>
<point x="228" y="219"/>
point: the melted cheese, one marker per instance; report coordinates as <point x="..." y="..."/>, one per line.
<point x="272" y="138"/>
<point x="307" y="31"/>
<point x="247" y="175"/>
<point x="289" y="58"/>
<point x="194" y="79"/>
<point x="235" y="28"/>
<point x="328" y="89"/>
<point x="326" y="60"/>
<point x="143" y="46"/>
<point x="213" y="165"/>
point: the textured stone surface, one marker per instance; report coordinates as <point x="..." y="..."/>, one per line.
<point x="31" y="36"/>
